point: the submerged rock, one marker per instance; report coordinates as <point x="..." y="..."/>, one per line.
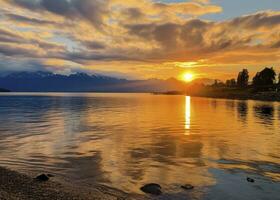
<point x="187" y="187"/>
<point x="42" y="177"/>
<point x="50" y="175"/>
<point x="250" y="180"/>
<point x="152" y="188"/>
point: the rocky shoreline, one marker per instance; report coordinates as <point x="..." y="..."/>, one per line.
<point x="17" y="186"/>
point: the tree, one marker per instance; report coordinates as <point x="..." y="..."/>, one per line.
<point x="265" y="77"/>
<point x="231" y="83"/>
<point x="228" y="83"/>
<point x="218" y="83"/>
<point x="243" y="78"/>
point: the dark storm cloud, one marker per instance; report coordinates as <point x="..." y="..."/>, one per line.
<point x="85" y="56"/>
<point x="133" y="13"/>
<point x="10" y="65"/>
<point x="91" y="10"/>
<point x="144" y="31"/>
<point x="94" y="45"/>
<point x="30" y="51"/>
<point x="24" y="19"/>
<point x="276" y="44"/>
<point x="61" y="7"/>
<point x="29" y="4"/>
<point x="258" y="20"/>
<point x="169" y="35"/>
<point x="165" y="34"/>
<point x="192" y="32"/>
<point x="9" y="50"/>
<point x="9" y="36"/>
<point x="15" y="44"/>
<point x="47" y="45"/>
<point x="204" y="36"/>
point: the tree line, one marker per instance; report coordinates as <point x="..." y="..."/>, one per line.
<point x="263" y="79"/>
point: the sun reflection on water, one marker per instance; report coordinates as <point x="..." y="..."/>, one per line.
<point x="187" y="115"/>
<point x="128" y="140"/>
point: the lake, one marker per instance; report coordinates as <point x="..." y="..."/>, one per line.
<point x="127" y="140"/>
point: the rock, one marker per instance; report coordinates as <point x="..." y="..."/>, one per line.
<point x="152" y="188"/>
<point x="42" y="177"/>
<point x="250" y="180"/>
<point x="50" y="175"/>
<point x="187" y="187"/>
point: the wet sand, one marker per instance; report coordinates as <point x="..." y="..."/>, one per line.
<point x="14" y="185"/>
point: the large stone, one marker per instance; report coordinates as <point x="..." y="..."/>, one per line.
<point x="187" y="187"/>
<point x="42" y="177"/>
<point x="152" y="188"/>
<point x="250" y="180"/>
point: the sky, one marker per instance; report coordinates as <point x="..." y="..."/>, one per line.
<point x="140" y="39"/>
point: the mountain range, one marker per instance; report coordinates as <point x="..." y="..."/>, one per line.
<point x="81" y="82"/>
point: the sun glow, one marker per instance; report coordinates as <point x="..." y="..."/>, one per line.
<point x="187" y="77"/>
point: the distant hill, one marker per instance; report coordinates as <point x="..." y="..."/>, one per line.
<point x="205" y="81"/>
<point x="82" y="82"/>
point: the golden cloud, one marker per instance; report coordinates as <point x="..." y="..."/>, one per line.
<point x="135" y="33"/>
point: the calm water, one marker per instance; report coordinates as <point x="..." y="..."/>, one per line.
<point x="127" y="140"/>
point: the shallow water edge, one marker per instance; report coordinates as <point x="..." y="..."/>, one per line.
<point x="15" y="185"/>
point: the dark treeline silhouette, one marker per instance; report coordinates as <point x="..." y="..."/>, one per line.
<point x="243" y="78"/>
<point x="265" y="77"/>
<point x="263" y="86"/>
<point x="263" y="80"/>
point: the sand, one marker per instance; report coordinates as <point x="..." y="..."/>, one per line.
<point x="14" y="185"/>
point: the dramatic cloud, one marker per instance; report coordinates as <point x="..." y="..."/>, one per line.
<point x="134" y="36"/>
<point x="91" y="10"/>
<point x="257" y="21"/>
<point x="28" y="20"/>
<point x="198" y="37"/>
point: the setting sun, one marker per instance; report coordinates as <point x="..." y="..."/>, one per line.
<point x="187" y="77"/>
